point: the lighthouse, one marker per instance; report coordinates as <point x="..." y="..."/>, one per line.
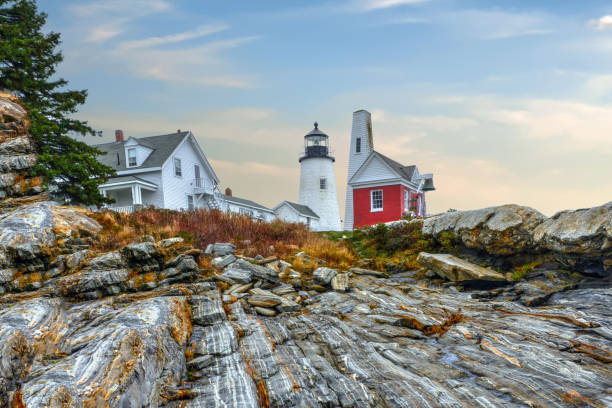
<point x="317" y="181"/>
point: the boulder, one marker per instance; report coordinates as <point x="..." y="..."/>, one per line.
<point x="340" y="282"/>
<point x="323" y="275"/>
<point x="263" y="298"/>
<point x="456" y="269"/>
<point x="168" y="242"/>
<point x="238" y="275"/>
<point x="502" y="230"/>
<point x="585" y="232"/>
<point x="67" y="220"/>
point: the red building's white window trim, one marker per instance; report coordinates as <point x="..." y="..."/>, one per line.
<point x="376" y="200"/>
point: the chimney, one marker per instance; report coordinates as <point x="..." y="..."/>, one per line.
<point x="119" y="135"/>
<point x="228" y="192"/>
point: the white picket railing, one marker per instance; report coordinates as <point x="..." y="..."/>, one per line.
<point x="126" y="209"/>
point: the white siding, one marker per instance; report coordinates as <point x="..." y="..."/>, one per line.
<point x="155" y="198"/>
<point x="256" y="213"/>
<point x="288" y="214"/>
<point x="361" y="128"/>
<point x="323" y="202"/>
<point x="175" y="189"/>
<point x="375" y="170"/>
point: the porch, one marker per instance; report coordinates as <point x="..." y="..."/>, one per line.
<point x="129" y="193"/>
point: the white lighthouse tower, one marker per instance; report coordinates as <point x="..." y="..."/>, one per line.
<point x="317" y="181"/>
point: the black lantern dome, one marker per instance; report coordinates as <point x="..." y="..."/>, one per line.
<point x="316" y="144"/>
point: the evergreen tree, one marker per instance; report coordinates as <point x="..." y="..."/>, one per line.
<point x="28" y="60"/>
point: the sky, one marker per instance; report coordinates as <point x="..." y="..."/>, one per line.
<point x="505" y="102"/>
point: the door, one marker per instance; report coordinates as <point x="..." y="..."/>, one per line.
<point x="198" y="180"/>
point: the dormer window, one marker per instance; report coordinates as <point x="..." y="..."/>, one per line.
<point x="132" y="162"/>
<point x="358" y="145"/>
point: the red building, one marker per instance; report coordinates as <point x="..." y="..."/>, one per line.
<point x="380" y="189"/>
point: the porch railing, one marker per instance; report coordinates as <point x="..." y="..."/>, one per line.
<point x="198" y="185"/>
<point x="126" y="209"/>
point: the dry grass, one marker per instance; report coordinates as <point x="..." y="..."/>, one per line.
<point x="200" y="228"/>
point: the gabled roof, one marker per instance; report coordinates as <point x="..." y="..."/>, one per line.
<point x="245" y="202"/>
<point x="162" y="146"/>
<point x="404" y="172"/>
<point x="301" y="209"/>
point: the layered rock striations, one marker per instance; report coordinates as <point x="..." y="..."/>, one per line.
<point x="147" y="325"/>
<point x="18" y="154"/>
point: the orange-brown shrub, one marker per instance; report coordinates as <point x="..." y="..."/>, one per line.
<point x="201" y="227"/>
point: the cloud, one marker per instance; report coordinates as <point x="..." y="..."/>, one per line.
<point x="197" y="65"/>
<point x="602" y="23"/>
<point x="199" y="32"/>
<point x="104" y="32"/>
<point x="122" y="8"/>
<point x="499" y="24"/>
<point x="369" y="5"/>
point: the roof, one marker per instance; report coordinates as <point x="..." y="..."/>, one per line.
<point x="301" y="209"/>
<point x="162" y="146"/>
<point x="404" y="171"/>
<point x="127" y="179"/>
<point x="316" y="131"/>
<point x="242" y="201"/>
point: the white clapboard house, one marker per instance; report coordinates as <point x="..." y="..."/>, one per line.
<point x="167" y="171"/>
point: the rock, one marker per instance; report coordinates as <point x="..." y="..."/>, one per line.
<point x="30" y="226"/>
<point x="110" y="260"/>
<point x="263" y="298"/>
<point x="323" y="275"/>
<point x="72" y="261"/>
<point x="222" y="262"/>
<point x="283" y="289"/>
<point x="586" y="232"/>
<point x="200" y="362"/>
<point x="288" y="306"/>
<point x="503" y="230"/>
<point x="168" y="242"/>
<point x="257" y="271"/>
<point x="220" y="249"/>
<point x="456" y="269"/>
<point x="264" y="311"/>
<point x="361" y="271"/>
<point x="340" y="282"/>
<point x="68" y="220"/>
<point x="206" y="311"/>
<point x="142" y="251"/>
<point x="238" y="275"/>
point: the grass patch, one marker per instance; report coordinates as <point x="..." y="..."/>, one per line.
<point x="521" y="271"/>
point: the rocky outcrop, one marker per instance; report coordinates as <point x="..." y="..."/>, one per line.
<point x="577" y="237"/>
<point x="18" y="154"/>
<point x="503" y="230"/>
<point x="458" y="270"/>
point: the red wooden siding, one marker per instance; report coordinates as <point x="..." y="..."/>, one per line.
<point x="393" y="205"/>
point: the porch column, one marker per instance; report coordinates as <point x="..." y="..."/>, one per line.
<point x="136" y="195"/>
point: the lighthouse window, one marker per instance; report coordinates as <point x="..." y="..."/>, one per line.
<point x="358" y="145"/>
<point x="323" y="183"/>
<point x="376" y="200"/>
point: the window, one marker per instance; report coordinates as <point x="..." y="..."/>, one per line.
<point x="406" y="200"/>
<point x="132" y="158"/>
<point x="323" y="183"/>
<point x="190" y="205"/>
<point x="177" y="167"/>
<point x="358" y="145"/>
<point x="376" y="200"/>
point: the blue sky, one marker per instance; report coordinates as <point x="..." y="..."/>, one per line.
<point x="502" y="101"/>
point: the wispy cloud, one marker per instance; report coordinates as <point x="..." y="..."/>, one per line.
<point x="199" y="32"/>
<point x="499" y="24"/>
<point x="602" y="23"/>
<point x="369" y="5"/>
<point x="120" y="7"/>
